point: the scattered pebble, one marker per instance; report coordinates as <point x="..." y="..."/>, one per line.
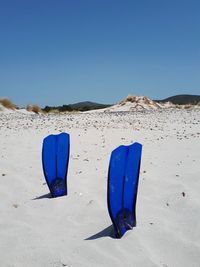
<point x="183" y="194"/>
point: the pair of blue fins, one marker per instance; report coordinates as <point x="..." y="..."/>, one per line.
<point x="123" y="176"/>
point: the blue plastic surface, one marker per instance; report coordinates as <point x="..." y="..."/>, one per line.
<point x="123" y="179"/>
<point x="55" y="158"/>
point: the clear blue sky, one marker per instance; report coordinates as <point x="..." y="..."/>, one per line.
<point x="56" y="52"/>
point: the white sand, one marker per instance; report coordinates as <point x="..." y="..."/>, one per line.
<point x="75" y="230"/>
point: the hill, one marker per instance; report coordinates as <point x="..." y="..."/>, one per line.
<point x="182" y="99"/>
<point x="80" y="106"/>
<point x="88" y="105"/>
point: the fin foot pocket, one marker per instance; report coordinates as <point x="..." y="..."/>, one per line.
<point x="124" y="221"/>
<point x="58" y="187"/>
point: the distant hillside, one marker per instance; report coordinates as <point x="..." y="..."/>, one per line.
<point x="81" y="106"/>
<point x="182" y="99"/>
<point x="87" y="105"/>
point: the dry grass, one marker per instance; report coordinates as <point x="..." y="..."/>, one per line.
<point x="7" y="103"/>
<point x="33" y="108"/>
<point x="131" y="99"/>
<point x="136" y="99"/>
<point x="188" y="106"/>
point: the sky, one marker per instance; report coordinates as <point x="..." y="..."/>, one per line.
<point x="55" y="52"/>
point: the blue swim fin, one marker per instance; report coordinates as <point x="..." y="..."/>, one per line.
<point x="55" y="158"/>
<point x="123" y="176"/>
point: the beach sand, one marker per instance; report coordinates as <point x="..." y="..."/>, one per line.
<point x="75" y="230"/>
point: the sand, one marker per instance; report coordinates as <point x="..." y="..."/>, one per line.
<point x="75" y="230"/>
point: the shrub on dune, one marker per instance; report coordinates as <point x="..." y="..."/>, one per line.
<point x="188" y="106"/>
<point x="7" y="103"/>
<point x="33" y="108"/>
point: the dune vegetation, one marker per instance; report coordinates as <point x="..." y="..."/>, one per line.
<point x="7" y="103"/>
<point x="33" y="108"/>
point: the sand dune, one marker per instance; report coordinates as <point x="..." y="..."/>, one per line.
<point x="75" y="230"/>
<point x="141" y="103"/>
